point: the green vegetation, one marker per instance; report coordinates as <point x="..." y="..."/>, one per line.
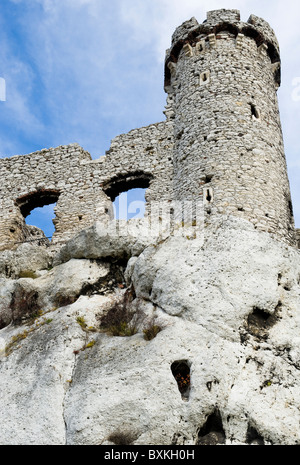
<point x="15" y="340"/>
<point x="90" y="344"/>
<point x="118" y="321"/>
<point x="151" y="331"/>
<point x="81" y="321"/>
<point x="28" y="274"/>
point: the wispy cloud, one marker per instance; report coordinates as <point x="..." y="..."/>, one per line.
<point x="94" y="80"/>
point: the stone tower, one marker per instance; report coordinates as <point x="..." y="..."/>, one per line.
<point x="222" y="77"/>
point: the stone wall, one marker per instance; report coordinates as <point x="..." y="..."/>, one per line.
<point x="83" y="188"/>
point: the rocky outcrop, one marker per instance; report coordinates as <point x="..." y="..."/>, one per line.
<point x="26" y="260"/>
<point x="177" y="341"/>
<point x="118" y="240"/>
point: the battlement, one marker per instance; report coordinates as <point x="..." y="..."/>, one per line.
<point x="223" y="15"/>
<point x="190" y="33"/>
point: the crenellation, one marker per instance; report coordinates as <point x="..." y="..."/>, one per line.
<point x="223" y="15"/>
<point x="184" y="29"/>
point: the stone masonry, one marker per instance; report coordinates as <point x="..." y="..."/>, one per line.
<point x="222" y="77"/>
<point x="83" y="188"/>
<point x="221" y="143"/>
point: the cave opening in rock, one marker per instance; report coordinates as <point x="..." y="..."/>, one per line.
<point x="181" y="372"/>
<point x="260" y="321"/>
<point x="212" y="432"/>
<point x="253" y="437"/>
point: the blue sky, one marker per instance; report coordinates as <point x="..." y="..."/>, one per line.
<point x="87" y="70"/>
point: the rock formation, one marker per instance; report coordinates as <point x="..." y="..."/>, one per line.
<point x="207" y="347"/>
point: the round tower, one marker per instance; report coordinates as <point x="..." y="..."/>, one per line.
<point x="222" y="77"/>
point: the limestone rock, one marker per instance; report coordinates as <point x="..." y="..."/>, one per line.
<point x="6" y="292"/>
<point x="227" y="308"/>
<point x="26" y="297"/>
<point x="119" y="240"/>
<point x="26" y="260"/>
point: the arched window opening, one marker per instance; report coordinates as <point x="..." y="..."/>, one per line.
<point x="130" y="204"/>
<point x="127" y="192"/>
<point x="42" y="218"/>
<point x="37" y="209"/>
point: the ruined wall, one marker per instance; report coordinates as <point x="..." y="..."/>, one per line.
<point x="222" y="77"/>
<point x="83" y="188"/>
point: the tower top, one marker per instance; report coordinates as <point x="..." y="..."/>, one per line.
<point x="230" y="16"/>
<point x="191" y="32"/>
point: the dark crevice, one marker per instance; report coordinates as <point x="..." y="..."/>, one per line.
<point x="259" y="321"/>
<point x="212" y="432"/>
<point x="208" y="178"/>
<point x="24" y="304"/>
<point x="114" y="279"/>
<point x="253" y="437"/>
<point x="254" y="111"/>
<point x="181" y="372"/>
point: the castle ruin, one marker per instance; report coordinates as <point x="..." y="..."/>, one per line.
<point x="221" y="143"/>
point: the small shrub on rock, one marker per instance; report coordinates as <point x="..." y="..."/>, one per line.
<point x="118" y="321"/>
<point x="151" y="330"/>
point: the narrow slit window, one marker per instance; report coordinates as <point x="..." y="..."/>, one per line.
<point x="205" y="77"/>
<point x="254" y="111"/>
<point x="208" y="195"/>
<point x="200" y="46"/>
